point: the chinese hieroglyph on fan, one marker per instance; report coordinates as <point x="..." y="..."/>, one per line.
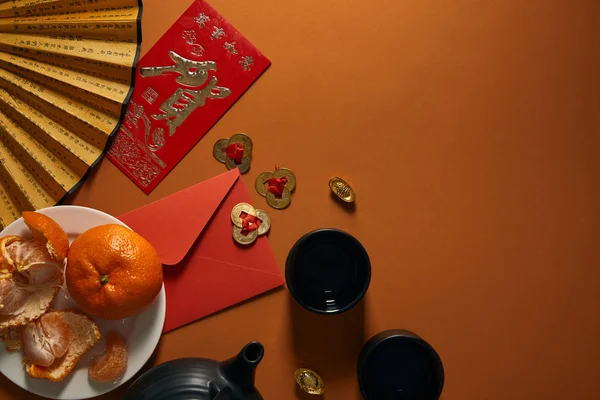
<point x="66" y="69"/>
<point x="185" y="83"/>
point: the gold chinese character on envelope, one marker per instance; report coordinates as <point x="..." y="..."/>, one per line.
<point x="183" y="102"/>
<point x="185" y="83"/>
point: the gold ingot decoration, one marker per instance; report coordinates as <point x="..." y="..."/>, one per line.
<point x="342" y="189"/>
<point x="66" y="72"/>
<point x="309" y="381"/>
<point x="236" y="219"/>
<point x="286" y="196"/>
<point x="220" y="154"/>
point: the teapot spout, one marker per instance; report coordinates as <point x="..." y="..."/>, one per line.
<point x="240" y="369"/>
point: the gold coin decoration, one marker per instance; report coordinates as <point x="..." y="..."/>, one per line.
<point x="309" y="381"/>
<point x="243" y="167"/>
<point x="237" y="210"/>
<point x="342" y="189"/>
<point x="265" y="222"/>
<point x="239" y="237"/>
<point x="261" y="179"/>
<point x="219" y="150"/>
<point x="283" y="202"/>
<point x="236" y="219"/>
<point x="286" y="195"/>
<point x="220" y="154"/>
<point x="287" y="174"/>
<point x="243" y="140"/>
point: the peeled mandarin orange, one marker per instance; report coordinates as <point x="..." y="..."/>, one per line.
<point x="113" y="272"/>
<point x="28" y="261"/>
<point x="44" y="229"/>
<point x="112" y="364"/>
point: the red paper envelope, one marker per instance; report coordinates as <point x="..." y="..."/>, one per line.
<point x="205" y="270"/>
<point x="185" y="83"/>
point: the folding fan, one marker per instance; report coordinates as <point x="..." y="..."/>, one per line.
<point x="65" y="73"/>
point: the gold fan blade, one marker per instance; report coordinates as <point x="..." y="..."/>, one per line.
<point x="101" y="56"/>
<point x="52" y="171"/>
<point x="66" y="69"/>
<point x="19" y="8"/>
<point x="28" y="193"/>
<point x="9" y="211"/>
<point x="119" y="26"/>
<point x="76" y="151"/>
<point x="102" y="93"/>
<point x="94" y="125"/>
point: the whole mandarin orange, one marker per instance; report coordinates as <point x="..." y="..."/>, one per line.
<point x="113" y="272"/>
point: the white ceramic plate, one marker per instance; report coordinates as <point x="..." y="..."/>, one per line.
<point x="142" y="331"/>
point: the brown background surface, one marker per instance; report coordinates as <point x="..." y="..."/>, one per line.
<point x="469" y="130"/>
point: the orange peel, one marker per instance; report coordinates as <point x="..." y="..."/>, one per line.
<point x="46" y="230"/>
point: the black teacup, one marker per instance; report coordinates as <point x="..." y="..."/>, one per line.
<point x="328" y="271"/>
<point x="398" y="364"/>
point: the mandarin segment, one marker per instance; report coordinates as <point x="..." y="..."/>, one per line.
<point x="46" y="339"/>
<point x="46" y="230"/>
<point x="112" y="364"/>
<point x="12" y="296"/>
<point x="57" y="331"/>
<point x="113" y="272"/>
<point x="84" y="335"/>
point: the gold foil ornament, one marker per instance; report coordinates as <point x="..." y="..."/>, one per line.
<point x="342" y="189"/>
<point x="286" y="196"/>
<point x="309" y="381"/>
<point x="183" y="102"/>
<point x="191" y="73"/>
<point x="220" y="152"/>
<point x="237" y="220"/>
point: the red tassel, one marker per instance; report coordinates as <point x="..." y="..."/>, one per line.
<point x="276" y="186"/>
<point x="249" y="223"/>
<point x="235" y="152"/>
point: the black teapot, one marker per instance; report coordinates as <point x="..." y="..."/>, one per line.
<point x="201" y="378"/>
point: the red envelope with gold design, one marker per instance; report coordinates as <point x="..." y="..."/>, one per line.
<point x="185" y="83"/>
<point x="204" y="269"/>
